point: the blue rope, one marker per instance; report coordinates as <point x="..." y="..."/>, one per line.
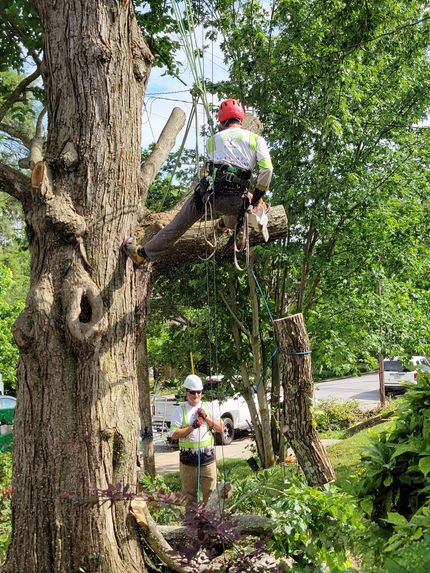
<point x="277" y="348"/>
<point x="263" y="296"/>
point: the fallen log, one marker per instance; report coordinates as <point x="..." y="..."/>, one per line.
<point x="155" y="539"/>
<point x="249" y="524"/>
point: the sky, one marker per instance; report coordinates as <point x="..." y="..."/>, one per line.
<point x="163" y="93"/>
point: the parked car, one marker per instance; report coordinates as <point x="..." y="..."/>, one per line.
<point x="397" y="371"/>
<point x="7" y="409"/>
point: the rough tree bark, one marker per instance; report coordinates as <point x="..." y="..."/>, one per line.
<point x="77" y="418"/>
<point x="76" y="424"/>
<point x="293" y="343"/>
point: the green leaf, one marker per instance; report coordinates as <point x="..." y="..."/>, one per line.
<point x="424" y="465"/>
<point x="396" y="519"/>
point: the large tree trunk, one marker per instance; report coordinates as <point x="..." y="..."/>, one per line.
<point x="294" y="347"/>
<point x="77" y="419"/>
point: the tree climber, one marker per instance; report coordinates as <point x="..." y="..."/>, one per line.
<point x="192" y="422"/>
<point x="232" y="155"/>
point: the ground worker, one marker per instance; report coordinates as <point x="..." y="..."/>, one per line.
<point x="192" y="424"/>
<point x="232" y="154"/>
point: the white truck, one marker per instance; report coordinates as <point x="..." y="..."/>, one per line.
<point x="396" y="371"/>
<point x="234" y="412"/>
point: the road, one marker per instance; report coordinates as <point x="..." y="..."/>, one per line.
<point x="363" y="388"/>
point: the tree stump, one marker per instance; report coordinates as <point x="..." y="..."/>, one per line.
<point x="295" y="365"/>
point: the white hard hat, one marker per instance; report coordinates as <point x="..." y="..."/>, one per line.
<point x="193" y="382"/>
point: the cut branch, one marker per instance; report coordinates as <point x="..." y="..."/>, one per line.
<point x="249" y="524"/>
<point x="154" y="538"/>
<point x="166" y="141"/>
<point x="193" y="245"/>
<point x="295" y="363"/>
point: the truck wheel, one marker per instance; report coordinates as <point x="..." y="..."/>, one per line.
<point x="226" y="436"/>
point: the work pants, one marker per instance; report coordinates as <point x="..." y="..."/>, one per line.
<point x="228" y="204"/>
<point x="189" y="481"/>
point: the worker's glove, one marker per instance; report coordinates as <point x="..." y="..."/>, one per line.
<point x="198" y="422"/>
<point x="201" y="413"/>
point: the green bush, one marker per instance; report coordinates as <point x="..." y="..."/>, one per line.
<point x="313" y="525"/>
<point x="5" y="502"/>
<point x="396" y="468"/>
<point x="334" y="415"/>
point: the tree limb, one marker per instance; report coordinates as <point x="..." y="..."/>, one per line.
<point x="233" y="315"/>
<point x="193" y="245"/>
<point x="17" y="92"/>
<point x="14" y="182"/>
<point x="166" y="141"/>
<point x="154" y="538"/>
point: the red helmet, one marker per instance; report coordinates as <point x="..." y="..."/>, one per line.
<point x="230" y="109"/>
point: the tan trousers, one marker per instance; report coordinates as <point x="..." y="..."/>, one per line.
<point x="189" y="481"/>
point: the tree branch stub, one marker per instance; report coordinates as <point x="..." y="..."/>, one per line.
<point x="166" y="141"/>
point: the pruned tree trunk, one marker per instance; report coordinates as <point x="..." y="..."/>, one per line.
<point x="295" y="358"/>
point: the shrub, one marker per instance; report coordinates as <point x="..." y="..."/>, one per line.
<point x="334" y="415"/>
<point x="313" y="525"/>
<point x="396" y="468"/>
<point x="5" y="502"/>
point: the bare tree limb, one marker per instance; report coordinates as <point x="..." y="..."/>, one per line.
<point x="166" y="141"/>
<point x="193" y="245"/>
<point x="42" y="114"/>
<point x="154" y="538"/>
<point x="17" y="92"/>
<point x="14" y="183"/>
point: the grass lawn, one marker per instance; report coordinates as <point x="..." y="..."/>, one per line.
<point x="345" y="456"/>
